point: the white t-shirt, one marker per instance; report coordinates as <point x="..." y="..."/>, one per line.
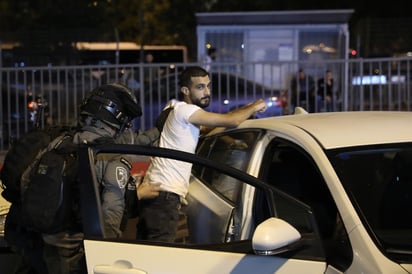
<point x="177" y="134"/>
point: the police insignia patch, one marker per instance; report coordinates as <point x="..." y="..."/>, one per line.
<point x="121" y="176"/>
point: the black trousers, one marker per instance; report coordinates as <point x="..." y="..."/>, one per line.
<point x="159" y="218"/>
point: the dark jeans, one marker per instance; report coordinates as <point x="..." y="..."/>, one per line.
<point x="61" y="260"/>
<point x="159" y="217"/>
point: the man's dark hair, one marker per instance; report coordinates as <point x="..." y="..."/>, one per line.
<point x="188" y="73"/>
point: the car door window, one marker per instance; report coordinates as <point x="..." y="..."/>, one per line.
<point x="234" y="149"/>
<point x="291" y="170"/>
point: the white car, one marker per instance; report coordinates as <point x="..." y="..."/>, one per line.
<point x="332" y="194"/>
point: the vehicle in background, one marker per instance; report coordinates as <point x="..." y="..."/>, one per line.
<point x="330" y="193"/>
<point x="93" y="53"/>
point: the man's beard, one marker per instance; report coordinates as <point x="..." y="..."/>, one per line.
<point x="202" y="102"/>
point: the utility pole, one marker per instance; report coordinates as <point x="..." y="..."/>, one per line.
<point x="117" y="53"/>
<point x="142" y="23"/>
<point x="141" y="74"/>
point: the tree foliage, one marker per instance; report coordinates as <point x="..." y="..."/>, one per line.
<point x="54" y="24"/>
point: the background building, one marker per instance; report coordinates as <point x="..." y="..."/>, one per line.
<point x="307" y="37"/>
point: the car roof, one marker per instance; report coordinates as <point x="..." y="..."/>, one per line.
<point x="342" y="129"/>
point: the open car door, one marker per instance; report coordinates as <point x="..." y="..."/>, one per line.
<point x="259" y="254"/>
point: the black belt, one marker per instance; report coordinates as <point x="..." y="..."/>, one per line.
<point x="168" y="195"/>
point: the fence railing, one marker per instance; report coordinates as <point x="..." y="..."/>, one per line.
<point x="359" y="84"/>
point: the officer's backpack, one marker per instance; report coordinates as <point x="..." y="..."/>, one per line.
<point x="20" y="155"/>
<point x="47" y="187"/>
<point x="161" y="119"/>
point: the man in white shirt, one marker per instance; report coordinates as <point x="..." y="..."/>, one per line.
<point x="158" y="219"/>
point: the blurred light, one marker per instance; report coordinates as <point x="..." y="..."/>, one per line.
<point x="30" y="105"/>
<point x="353" y="52"/>
<point x="398" y="79"/>
<point x="369" y="80"/>
<point x="106" y="46"/>
<point x="308" y="51"/>
<point x="272" y="101"/>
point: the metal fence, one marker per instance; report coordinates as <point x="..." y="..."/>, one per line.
<point x="359" y="84"/>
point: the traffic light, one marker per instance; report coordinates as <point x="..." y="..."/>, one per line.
<point x="353" y="52"/>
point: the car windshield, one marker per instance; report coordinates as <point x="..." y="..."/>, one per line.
<point x="378" y="180"/>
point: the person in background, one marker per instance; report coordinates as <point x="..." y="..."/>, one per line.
<point x="303" y="91"/>
<point x="158" y="217"/>
<point x="149" y="58"/>
<point x="151" y="71"/>
<point x="325" y="90"/>
<point x="209" y="58"/>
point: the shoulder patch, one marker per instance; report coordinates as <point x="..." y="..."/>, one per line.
<point x="122" y="175"/>
<point x="126" y="162"/>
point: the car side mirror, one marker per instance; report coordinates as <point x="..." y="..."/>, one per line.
<point x="274" y="236"/>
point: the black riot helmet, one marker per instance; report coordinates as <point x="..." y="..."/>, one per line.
<point x="113" y="104"/>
